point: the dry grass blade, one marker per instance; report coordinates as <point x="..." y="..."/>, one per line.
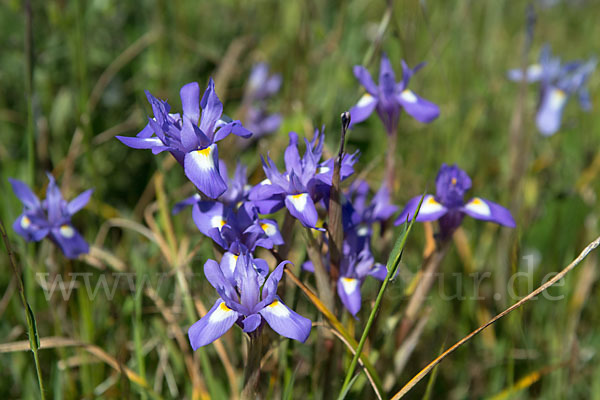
<point x="526" y="381"/>
<point x="55" y="342"/>
<point x="417" y="378"/>
<point x="199" y="387"/>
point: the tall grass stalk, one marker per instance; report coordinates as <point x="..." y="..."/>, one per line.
<point x="34" y="341"/>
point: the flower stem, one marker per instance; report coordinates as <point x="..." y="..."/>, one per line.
<point x="390" y="162"/>
<point x="252" y="370"/>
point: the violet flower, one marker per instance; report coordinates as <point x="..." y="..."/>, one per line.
<point x="448" y="205"/>
<point x="245" y="303"/>
<point x="190" y="138"/>
<point x="305" y="181"/>
<point x="362" y="215"/>
<point x="389" y="98"/>
<point x="558" y="83"/>
<point x="261" y="86"/>
<point x="51" y="217"/>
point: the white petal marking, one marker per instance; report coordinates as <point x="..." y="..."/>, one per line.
<point x="277" y="309"/>
<point x="221" y="313"/>
<point x="408" y="96"/>
<point x="479" y="206"/>
<point x="217" y="221"/>
<point x="204" y="158"/>
<point x="67" y="231"/>
<point x="365" y="100"/>
<point x="25" y="222"/>
<point x="268" y="228"/>
<point x="299" y="201"/>
<point x="430" y="205"/>
<point x="557" y="99"/>
<point x="349" y="284"/>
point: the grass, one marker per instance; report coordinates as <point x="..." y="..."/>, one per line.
<point x="92" y="62"/>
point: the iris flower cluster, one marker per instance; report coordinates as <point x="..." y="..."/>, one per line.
<point x="558" y="82"/>
<point x="225" y="212"/>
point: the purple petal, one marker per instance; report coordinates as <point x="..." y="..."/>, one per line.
<point x="79" y="202"/>
<point x="212" y="109"/>
<point x="270" y="289"/>
<point x="142" y="143"/>
<point x="228" y="263"/>
<point x="292" y="156"/>
<point x="430" y="210"/>
<point x="190" y="96"/>
<point x="216" y="276"/>
<point x="271" y="229"/>
<point x="23" y="193"/>
<point x="213" y="325"/>
<point x="379" y="271"/>
<point x="285" y="321"/>
<point x="201" y="167"/>
<point x="349" y="291"/>
<point x="302" y="207"/>
<point x="189" y="201"/>
<point x="363" y="109"/>
<point x="27" y="228"/>
<point x="364" y="78"/>
<point x="251" y="322"/>
<point x="488" y="211"/>
<point x="189" y="139"/>
<point x="533" y="73"/>
<point x="145" y="133"/>
<point x="70" y="241"/>
<point x="549" y="115"/>
<point x="208" y="215"/>
<point x="387" y="78"/>
<point x="54" y="200"/>
<point x="420" y="109"/>
<point x="234" y="127"/>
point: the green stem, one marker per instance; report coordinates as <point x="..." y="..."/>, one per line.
<point x="252" y="369"/>
<point x="395" y="262"/>
<point x="34" y="341"/>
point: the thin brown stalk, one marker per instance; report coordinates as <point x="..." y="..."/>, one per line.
<point x="334" y="226"/>
<point x="417" y="378"/>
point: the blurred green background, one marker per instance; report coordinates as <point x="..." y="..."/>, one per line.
<point x="91" y="62"/>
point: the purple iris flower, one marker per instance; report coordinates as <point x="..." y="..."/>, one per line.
<point x="245" y="303"/>
<point x="448" y="205"/>
<point x="305" y="181"/>
<point x="51" y="217"/>
<point x="192" y="137"/>
<point x="361" y="215"/>
<point x="389" y="98"/>
<point x="261" y="86"/>
<point x="558" y="82"/>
